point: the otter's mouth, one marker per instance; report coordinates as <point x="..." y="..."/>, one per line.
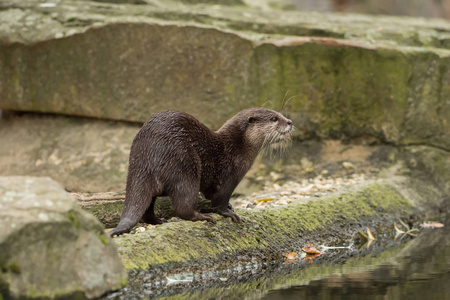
<point x="283" y="135"/>
<point x="287" y="131"/>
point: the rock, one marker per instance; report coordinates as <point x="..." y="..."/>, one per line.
<point x="347" y="75"/>
<point x="51" y="248"/>
<point x="348" y="165"/>
<point x="92" y="155"/>
<point x="181" y="246"/>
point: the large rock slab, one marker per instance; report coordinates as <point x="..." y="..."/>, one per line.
<point x="49" y="247"/>
<point x="81" y="154"/>
<point x="345" y="75"/>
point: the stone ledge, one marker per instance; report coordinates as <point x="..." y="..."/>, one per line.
<point x="182" y="246"/>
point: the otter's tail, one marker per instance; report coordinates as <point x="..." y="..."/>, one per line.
<point x="131" y="214"/>
<point x="137" y="195"/>
<point x="124" y="226"/>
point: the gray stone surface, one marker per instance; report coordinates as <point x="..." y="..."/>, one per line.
<point x="344" y="75"/>
<point x="49" y="247"/>
<point x="81" y="154"/>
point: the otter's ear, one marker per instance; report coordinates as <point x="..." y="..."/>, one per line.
<point x="251" y="119"/>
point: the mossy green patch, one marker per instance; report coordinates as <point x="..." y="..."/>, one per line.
<point x="107" y="214"/>
<point x="346" y="90"/>
<point x="261" y="231"/>
<point x="73" y="219"/>
<point x="103" y="238"/>
<point x="14" y="268"/>
<point x="4" y="289"/>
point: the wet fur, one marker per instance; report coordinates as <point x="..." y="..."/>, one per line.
<point x="175" y="155"/>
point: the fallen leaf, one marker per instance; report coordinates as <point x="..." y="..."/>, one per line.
<point x="432" y="225"/>
<point x="311" y="250"/>
<point x="369" y="234"/>
<point x="397" y="230"/>
<point x="310" y="257"/>
<point x="291" y="255"/>
<point x="363" y="234"/>
<point x="410" y="232"/>
<point x="290" y="261"/>
<point x="404" y="224"/>
<point x="264" y="200"/>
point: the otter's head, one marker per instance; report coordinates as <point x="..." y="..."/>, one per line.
<point x="258" y="128"/>
<point x="267" y="127"/>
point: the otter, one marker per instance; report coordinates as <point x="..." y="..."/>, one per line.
<point x="175" y="155"/>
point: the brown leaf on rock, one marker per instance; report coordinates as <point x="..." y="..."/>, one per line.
<point x="291" y="255"/>
<point x="291" y="258"/>
<point x="311" y="250"/>
<point x="310" y="257"/>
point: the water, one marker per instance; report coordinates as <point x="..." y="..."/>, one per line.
<point x="416" y="268"/>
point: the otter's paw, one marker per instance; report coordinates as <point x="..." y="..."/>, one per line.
<point x="152" y="220"/>
<point x="202" y="217"/>
<point x="229" y="213"/>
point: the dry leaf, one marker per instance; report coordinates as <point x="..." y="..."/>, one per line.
<point x="310" y="257"/>
<point x="311" y="250"/>
<point x="291" y="255"/>
<point x="264" y="200"/>
<point x="363" y="234"/>
<point x="397" y="229"/>
<point x="432" y="225"/>
<point x="369" y="235"/>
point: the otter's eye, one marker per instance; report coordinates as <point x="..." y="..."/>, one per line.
<point x="274" y="119"/>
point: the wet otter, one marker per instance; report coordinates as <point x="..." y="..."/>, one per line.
<point x="175" y="155"/>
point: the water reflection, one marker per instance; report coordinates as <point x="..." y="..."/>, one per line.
<point x="419" y="270"/>
<point x="414" y="268"/>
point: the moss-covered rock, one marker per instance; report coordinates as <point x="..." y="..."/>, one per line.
<point x="186" y="245"/>
<point x="49" y="247"/>
<point x="377" y="269"/>
<point x="346" y="75"/>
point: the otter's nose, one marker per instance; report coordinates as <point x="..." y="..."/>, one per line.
<point x="289" y="122"/>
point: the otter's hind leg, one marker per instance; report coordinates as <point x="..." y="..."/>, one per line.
<point x="184" y="200"/>
<point x="149" y="216"/>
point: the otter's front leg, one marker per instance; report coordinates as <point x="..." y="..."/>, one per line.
<point x="222" y="206"/>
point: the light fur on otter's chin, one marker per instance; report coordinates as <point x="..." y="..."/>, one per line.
<point x="276" y="144"/>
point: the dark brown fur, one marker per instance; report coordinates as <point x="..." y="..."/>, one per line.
<point x="175" y="155"/>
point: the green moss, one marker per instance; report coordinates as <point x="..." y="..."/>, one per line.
<point x="346" y="91"/>
<point x="73" y="219"/>
<point x="14" y="268"/>
<point x="262" y="230"/>
<point x="4" y="289"/>
<point x="107" y="214"/>
<point x="103" y="238"/>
